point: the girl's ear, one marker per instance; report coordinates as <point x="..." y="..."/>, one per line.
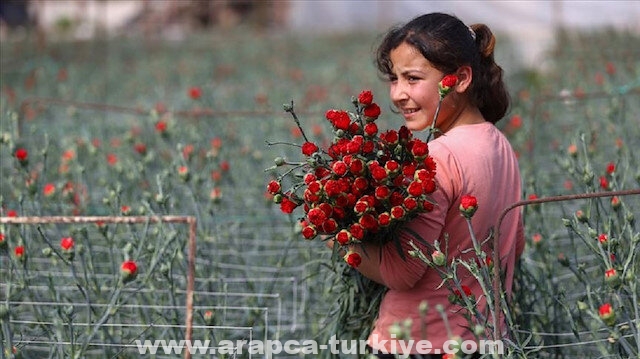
<point x="465" y="75"/>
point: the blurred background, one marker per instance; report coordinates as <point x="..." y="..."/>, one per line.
<point x="530" y="23"/>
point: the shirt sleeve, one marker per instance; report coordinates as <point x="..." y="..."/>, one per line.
<point x="401" y="271"/>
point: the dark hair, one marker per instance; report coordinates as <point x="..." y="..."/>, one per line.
<point x="447" y="43"/>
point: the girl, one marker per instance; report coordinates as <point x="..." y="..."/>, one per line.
<point x="472" y="157"/>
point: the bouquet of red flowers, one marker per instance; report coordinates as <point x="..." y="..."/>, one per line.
<point x="363" y="187"/>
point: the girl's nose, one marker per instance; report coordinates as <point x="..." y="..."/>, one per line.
<point x="398" y="93"/>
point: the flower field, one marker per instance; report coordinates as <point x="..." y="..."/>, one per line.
<point x="162" y="147"/>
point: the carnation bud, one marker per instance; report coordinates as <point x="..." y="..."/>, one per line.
<point x="353" y="259"/>
<point x="128" y="271"/>
<point x="438" y="258"/>
<point x="607" y="314"/>
<point x="582" y="305"/>
<point x="581" y="216"/>
<point x="209" y="316"/>
<point x="611" y="277"/>
<point x="423" y="308"/>
<point x="468" y="206"/>
<point x="615" y="203"/>
<point x="279" y="161"/>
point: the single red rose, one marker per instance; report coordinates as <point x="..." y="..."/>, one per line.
<point x="316" y="216"/>
<point x="410" y="204"/>
<point x="382" y="192"/>
<point x="370" y="129"/>
<point x="397" y="212"/>
<point x="419" y="149"/>
<point x="357" y="231"/>
<point x="384" y="219"/>
<point x="342" y="121"/>
<point x="415" y="188"/>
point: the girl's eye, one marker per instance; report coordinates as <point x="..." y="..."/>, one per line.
<point x="413" y="78"/>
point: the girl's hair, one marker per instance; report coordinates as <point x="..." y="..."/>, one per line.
<point x="447" y="43"/>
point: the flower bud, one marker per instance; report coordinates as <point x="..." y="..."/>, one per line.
<point x="438" y="258"/>
<point x="612" y="277"/>
<point x="607" y="314"/>
<point x="423" y="308"/>
<point x="68" y="250"/>
<point x="128" y="271"/>
<point x="468" y="206"/>
<point x="582" y="305"/>
<point x="3" y="241"/>
<point x="209" y="317"/>
<point x="353" y="259"/>
<point x="279" y="161"/>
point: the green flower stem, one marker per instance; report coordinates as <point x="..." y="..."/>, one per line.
<point x="290" y="109"/>
<point x="432" y="129"/>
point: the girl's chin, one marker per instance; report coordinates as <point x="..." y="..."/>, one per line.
<point x="417" y="126"/>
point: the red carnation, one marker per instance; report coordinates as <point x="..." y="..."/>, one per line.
<point x="465" y="289"/>
<point x="384" y="219"/>
<point x="607" y="314"/>
<point x="316" y="216"/>
<point x="19" y="253"/>
<point x="371" y="129"/>
<point x="128" y="271"/>
<point x="287" y="206"/>
<point x="365" y="97"/>
<point x="343" y="237"/>
<point x="195" y="92"/>
<point x="372" y="111"/>
<point x="274" y="187"/>
<point x="611" y="168"/>
<point x="339" y="168"/>
<point x="67" y="243"/>
<point x="357" y="231"/>
<point x="161" y="126"/>
<point x="22" y="155"/>
<point x="353" y="259"/>
<point x="415" y="188"/>
<point x="397" y="212"/>
<point x="446" y="84"/>
<point x="419" y="149"/>
<point x="309" y="148"/>
<point x="410" y="204"/>
<point x="309" y="232"/>
<point x="468" y="205"/>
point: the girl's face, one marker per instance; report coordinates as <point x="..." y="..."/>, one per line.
<point x="414" y="89"/>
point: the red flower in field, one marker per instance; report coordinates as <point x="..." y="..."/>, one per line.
<point x="187" y="151"/>
<point x="112" y="159"/>
<point x="536" y="238"/>
<point x="353" y="259"/>
<point x="365" y="97"/>
<point x="611" y="68"/>
<point x="125" y="210"/>
<point x="216" y="143"/>
<point x="615" y="202"/>
<point x="19" y="253"/>
<point x="215" y="195"/>
<point x="67" y="244"/>
<point x="128" y="271"/>
<point x="224" y="166"/>
<point x="581" y="216"/>
<point x="611" y="168"/>
<point x="140" y="148"/>
<point x="195" y="92"/>
<point x="611" y="276"/>
<point x="468" y="205"/>
<point x="183" y="172"/>
<point x="22" y="155"/>
<point x="49" y="189"/>
<point x="161" y="126"/>
<point x="603" y="238"/>
<point x="208" y="317"/>
<point x="572" y="150"/>
<point x="515" y="122"/>
<point x="309" y="148"/>
<point x="3" y="242"/>
<point x="12" y="213"/>
<point x="607" y="314"/>
<point x="604" y="183"/>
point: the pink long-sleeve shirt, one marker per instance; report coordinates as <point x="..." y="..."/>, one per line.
<point x="472" y="159"/>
